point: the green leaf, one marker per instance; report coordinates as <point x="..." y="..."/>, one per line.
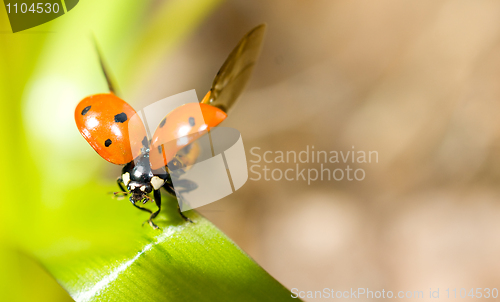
<point x="182" y="262"/>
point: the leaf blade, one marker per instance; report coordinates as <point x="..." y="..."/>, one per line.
<point x="185" y="262"/>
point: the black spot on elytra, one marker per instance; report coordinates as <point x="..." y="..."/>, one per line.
<point x="121" y="118"/>
<point x="145" y="142"/>
<point x="108" y="142"/>
<point x="160" y="149"/>
<point x="163" y="121"/>
<point x="191" y="121"/>
<point x="85" y="110"/>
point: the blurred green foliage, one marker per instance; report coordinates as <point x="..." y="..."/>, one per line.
<point x="55" y="210"/>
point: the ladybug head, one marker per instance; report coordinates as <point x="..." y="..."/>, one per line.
<point x="139" y="191"/>
<point x="139" y="179"/>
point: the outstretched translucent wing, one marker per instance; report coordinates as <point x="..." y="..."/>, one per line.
<point x="109" y="80"/>
<point x="236" y="70"/>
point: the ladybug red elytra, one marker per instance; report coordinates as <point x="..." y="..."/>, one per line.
<point x="107" y="123"/>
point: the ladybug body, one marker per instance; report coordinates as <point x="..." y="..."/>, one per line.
<point x="115" y="131"/>
<point x="138" y="180"/>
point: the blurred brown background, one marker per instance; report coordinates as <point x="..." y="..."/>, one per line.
<point x="416" y="81"/>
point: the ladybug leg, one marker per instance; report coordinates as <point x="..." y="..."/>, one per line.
<point x="182" y="215"/>
<point x="119" y="181"/>
<point x="172" y="192"/>
<point x="140" y="208"/>
<point x="145" y="210"/>
<point x="187" y="185"/>
<point x="157" y="196"/>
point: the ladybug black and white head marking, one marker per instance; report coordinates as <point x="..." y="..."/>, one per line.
<point x="139" y="179"/>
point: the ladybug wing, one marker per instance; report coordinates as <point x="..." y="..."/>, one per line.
<point x="187" y="123"/>
<point x="111" y="127"/>
<point x="111" y="85"/>
<point x="179" y="128"/>
<point x="236" y="70"/>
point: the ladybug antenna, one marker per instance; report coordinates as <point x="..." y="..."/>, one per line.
<point x="119" y="195"/>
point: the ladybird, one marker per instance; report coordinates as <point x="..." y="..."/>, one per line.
<point x="110" y="125"/>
